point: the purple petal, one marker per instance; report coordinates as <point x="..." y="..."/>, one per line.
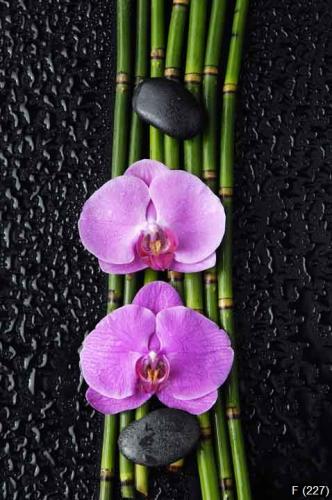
<point x="110" y="352"/>
<point x="195" y="267"/>
<point x="199" y="352"/>
<point x="136" y="265"/>
<point x="112" y="217"/>
<point x="109" y="406"/>
<point x="146" y="170"/>
<point x="157" y="296"/>
<point x="194" y="406"/>
<point x="189" y="208"/>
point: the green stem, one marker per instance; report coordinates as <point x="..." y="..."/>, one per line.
<point x="157" y="68"/>
<point x="108" y="458"/>
<point x="193" y="281"/>
<point x="120" y="126"/>
<point x="176" y="280"/>
<point x="225" y="262"/>
<point x="141" y="472"/>
<point x="210" y="90"/>
<point x="141" y="71"/>
<point x="220" y="423"/>
<point x="126" y="467"/>
<point x="193" y="77"/>
<point x="119" y="163"/>
<point x="175" y="43"/>
<point x="206" y="461"/>
<point x="210" y="168"/>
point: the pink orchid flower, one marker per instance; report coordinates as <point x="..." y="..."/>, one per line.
<point x="155" y="346"/>
<point x="153" y="217"/>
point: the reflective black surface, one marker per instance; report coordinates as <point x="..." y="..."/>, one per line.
<point x="57" y="68"/>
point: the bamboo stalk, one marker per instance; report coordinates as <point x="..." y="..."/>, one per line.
<point x="126" y="467"/>
<point x="225" y="262"/>
<point x="119" y="161"/>
<point x="141" y="472"/>
<point x="210" y="89"/>
<point x="210" y="169"/>
<point x="120" y="128"/>
<point x="157" y="69"/>
<point x="141" y="71"/>
<point x="219" y="417"/>
<point x="108" y="458"/>
<point x="193" y="281"/>
<point x="175" y="43"/>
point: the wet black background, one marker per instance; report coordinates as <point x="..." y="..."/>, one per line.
<point x="56" y="74"/>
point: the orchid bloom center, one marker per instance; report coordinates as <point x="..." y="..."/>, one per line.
<point x="156" y="246"/>
<point x="152" y="371"/>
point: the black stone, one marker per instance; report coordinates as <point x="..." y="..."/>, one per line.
<point x="169" y="106"/>
<point x="160" y="438"/>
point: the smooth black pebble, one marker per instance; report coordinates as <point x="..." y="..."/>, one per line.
<point x="169" y="106"/>
<point x="160" y="438"/>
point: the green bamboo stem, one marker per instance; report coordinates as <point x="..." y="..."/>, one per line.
<point x="108" y="455"/>
<point x="193" y="77"/>
<point x="119" y="163"/>
<point x="108" y="458"/>
<point x="126" y="467"/>
<point x="120" y="127"/>
<point x="206" y="461"/>
<point x="175" y="43"/>
<point x="157" y="69"/>
<point x="225" y="262"/>
<point x="193" y="281"/>
<point x="141" y="472"/>
<point x="220" y="424"/>
<point x="141" y="71"/>
<point x="176" y="280"/>
<point x="210" y="169"/>
<point x="210" y="90"/>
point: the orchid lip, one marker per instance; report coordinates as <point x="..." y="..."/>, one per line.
<point x="152" y="370"/>
<point x="156" y="246"/>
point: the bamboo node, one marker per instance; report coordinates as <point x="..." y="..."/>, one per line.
<point x="226" y="303"/>
<point x="181" y="2"/>
<point x="209" y="175"/>
<point x="122" y="77"/>
<point x="175" y="276"/>
<point x="172" y="73"/>
<point x="233" y="413"/>
<point x="226" y="484"/>
<point x="157" y="53"/>
<point x="206" y="433"/>
<point x="226" y="192"/>
<point x="210" y="70"/>
<point x="193" y="77"/>
<point x="127" y="482"/>
<point x="229" y="88"/>
<point x="210" y="278"/>
<point x="113" y="297"/>
<point x="106" y="474"/>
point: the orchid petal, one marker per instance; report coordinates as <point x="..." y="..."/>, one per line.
<point x="111" y="406"/>
<point x="196" y="266"/>
<point x="157" y="296"/>
<point x="136" y="265"/>
<point x="194" y="406"/>
<point x="110" y="352"/>
<point x="199" y="353"/>
<point x="191" y="210"/>
<point x="112" y="217"/>
<point x="146" y="170"/>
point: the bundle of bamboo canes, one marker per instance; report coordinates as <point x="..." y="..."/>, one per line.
<point x="202" y="47"/>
